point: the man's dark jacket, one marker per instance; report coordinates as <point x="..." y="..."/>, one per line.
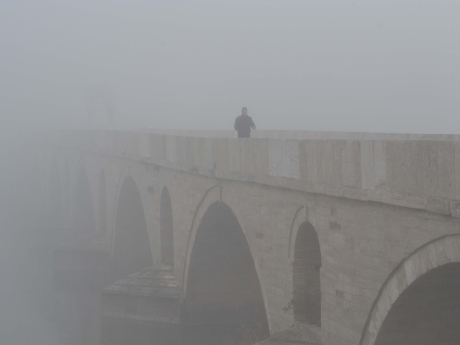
<point x="243" y="125"/>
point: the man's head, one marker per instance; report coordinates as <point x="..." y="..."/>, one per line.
<point x="244" y="111"/>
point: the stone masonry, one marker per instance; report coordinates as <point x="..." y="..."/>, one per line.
<point x="382" y="206"/>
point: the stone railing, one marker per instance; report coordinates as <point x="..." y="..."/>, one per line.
<point x="414" y="170"/>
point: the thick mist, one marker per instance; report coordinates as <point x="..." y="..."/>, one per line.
<point x="316" y="65"/>
<point x="387" y="66"/>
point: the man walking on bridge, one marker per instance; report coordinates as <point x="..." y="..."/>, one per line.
<point x="244" y="124"/>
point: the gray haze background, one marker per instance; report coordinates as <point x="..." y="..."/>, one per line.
<point x="390" y="66"/>
<point x="387" y="66"/>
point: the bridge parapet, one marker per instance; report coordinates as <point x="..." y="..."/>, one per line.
<point x="416" y="171"/>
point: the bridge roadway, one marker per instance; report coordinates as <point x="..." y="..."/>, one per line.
<point x="333" y="238"/>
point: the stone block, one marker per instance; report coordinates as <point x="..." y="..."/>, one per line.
<point x="334" y="190"/>
<point x="333" y="162"/>
<point x="455" y="208"/>
<point x="276" y="161"/>
<point x="446" y="170"/>
<point x="310" y="159"/>
<point x="354" y="193"/>
<point x="291" y="163"/>
<point x="262" y="158"/>
<point x="400" y="177"/>
<point x="246" y="153"/>
<point x="380" y="167"/>
<point x="303" y="160"/>
<point x="410" y="271"/>
<point x="367" y="164"/>
<point x="437" y="205"/>
<point x="220" y="153"/>
<point x="234" y="154"/>
<point x="392" y="290"/>
<point x="457" y="169"/>
<point x="351" y="163"/>
<point x="320" y="158"/>
<point x="449" y="250"/>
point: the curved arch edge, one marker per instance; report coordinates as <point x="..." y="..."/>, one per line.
<point x="438" y="252"/>
<point x="212" y="195"/>
<point x="300" y="217"/>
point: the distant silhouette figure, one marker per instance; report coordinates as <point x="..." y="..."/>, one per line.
<point x="244" y="124"/>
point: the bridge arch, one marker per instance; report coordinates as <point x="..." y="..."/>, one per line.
<point x="306" y="294"/>
<point x="131" y="245"/>
<point x="212" y="195"/>
<point x="305" y="258"/>
<point x="419" y="298"/>
<point x="102" y="200"/>
<point x="84" y="218"/>
<point x="223" y="286"/>
<point x="166" y="228"/>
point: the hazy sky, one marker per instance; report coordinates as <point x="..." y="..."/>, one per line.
<point x="388" y="66"/>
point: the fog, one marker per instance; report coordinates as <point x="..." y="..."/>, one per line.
<point x="387" y="66"/>
<point x="349" y="66"/>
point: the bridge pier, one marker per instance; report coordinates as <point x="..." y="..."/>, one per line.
<point x="143" y="308"/>
<point x="148" y="307"/>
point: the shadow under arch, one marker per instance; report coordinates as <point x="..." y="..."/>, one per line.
<point x="56" y="209"/>
<point x="166" y="228"/>
<point x="306" y="299"/>
<point x="427" y="312"/>
<point x="84" y="219"/>
<point x="419" y="299"/>
<point x="131" y="245"/>
<point x="223" y="288"/>
<point x="102" y="210"/>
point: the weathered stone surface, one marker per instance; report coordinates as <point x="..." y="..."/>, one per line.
<point x="373" y="201"/>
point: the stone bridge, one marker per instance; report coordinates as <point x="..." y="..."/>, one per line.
<point x="332" y="238"/>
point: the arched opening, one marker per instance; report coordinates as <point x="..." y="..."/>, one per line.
<point x="102" y="204"/>
<point x="56" y="210"/>
<point x="84" y="219"/>
<point x="166" y="228"/>
<point x="131" y="250"/>
<point x="427" y="311"/>
<point x="306" y="299"/>
<point x="224" y="296"/>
